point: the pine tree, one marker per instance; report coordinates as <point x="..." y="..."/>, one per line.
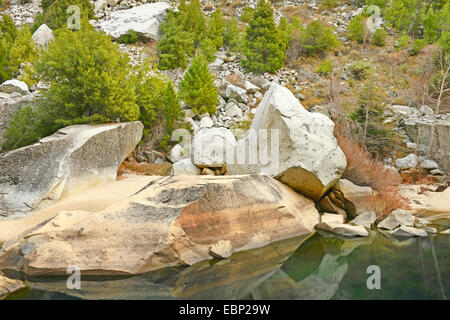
<point x="263" y="46"/>
<point x="175" y="44"/>
<point x="232" y="36"/>
<point x="193" y="20"/>
<point x="171" y="110"/>
<point x="216" y="27"/>
<point x="197" y="88"/>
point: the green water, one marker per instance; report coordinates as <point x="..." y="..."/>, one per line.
<point x="317" y="267"/>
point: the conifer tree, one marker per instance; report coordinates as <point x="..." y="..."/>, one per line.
<point x="231" y="35"/>
<point x="263" y="46"/>
<point x="216" y="27"/>
<point x="175" y="44"/>
<point x="197" y="88"/>
<point x="193" y="20"/>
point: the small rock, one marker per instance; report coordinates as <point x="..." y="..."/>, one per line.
<point x="426" y="110"/>
<point x="430" y="230"/>
<point x="366" y="219"/>
<point x="206" y="122"/>
<point x="221" y="249"/>
<point x="397" y="218"/>
<point x="404" y="231"/>
<point x="446" y="231"/>
<point x="237" y="93"/>
<point x="43" y="36"/>
<point x="207" y="172"/>
<point x="14" y="85"/>
<point x="250" y="87"/>
<point x="408" y="162"/>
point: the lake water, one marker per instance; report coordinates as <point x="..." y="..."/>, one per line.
<point x="314" y="267"/>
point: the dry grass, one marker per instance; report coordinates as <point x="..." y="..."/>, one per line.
<point x="386" y="201"/>
<point x="148" y="169"/>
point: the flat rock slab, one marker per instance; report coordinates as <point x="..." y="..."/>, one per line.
<point x="341" y="229"/>
<point x="70" y="160"/>
<point x="172" y="221"/>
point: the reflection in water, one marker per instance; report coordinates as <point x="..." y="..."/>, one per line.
<point x="298" y="268"/>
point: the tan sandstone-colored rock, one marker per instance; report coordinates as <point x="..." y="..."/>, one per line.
<point x="356" y="198"/>
<point x="8" y="285"/>
<point x="172" y="221"/>
<point x="70" y="160"/>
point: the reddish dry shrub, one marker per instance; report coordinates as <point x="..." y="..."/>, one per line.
<point x="387" y="200"/>
<point x="363" y="170"/>
<point x="149" y="169"/>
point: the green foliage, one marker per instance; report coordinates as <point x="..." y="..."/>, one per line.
<point x="369" y="113"/>
<point x="330" y="4"/>
<point x="16" y="47"/>
<point x="175" y="44"/>
<point x="25" y="128"/>
<point x="193" y="20"/>
<point x="356" y="28"/>
<point x="38" y="21"/>
<point x="182" y="32"/>
<point x="379" y="37"/>
<point x="88" y="77"/>
<point x="445" y="42"/>
<point x="56" y="16"/>
<point x="208" y="49"/>
<point x="436" y="22"/>
<point x="400" y="14"/>
<point x="231" y="35"/>
<point x="247" y="14"/>
<point x="216" y="27"/>
<point x="263" y="46"/>
<point x="418" y="45"/>
<point x="129" y="38"/>
<point x="318" y="38"/>
<point x="403" y="41"/>
<point x="46" y="3"/>
<point x="197" y="87"/>
<point x="359" y="69"/>
<point x="285" y="30"/>
<point x="325" y="67"/>
<point x="157" y="100"/>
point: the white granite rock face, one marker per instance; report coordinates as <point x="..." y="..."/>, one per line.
<point x="144" y="20"/>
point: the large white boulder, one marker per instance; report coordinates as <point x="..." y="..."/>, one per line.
<point x="68" y="161"/>
<point x="213" y="147"/>
<point x="294" y="145"/>
<point x="43" y="36"/>
<point x="14" y="85"/>
<point x="143" y="19"/>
